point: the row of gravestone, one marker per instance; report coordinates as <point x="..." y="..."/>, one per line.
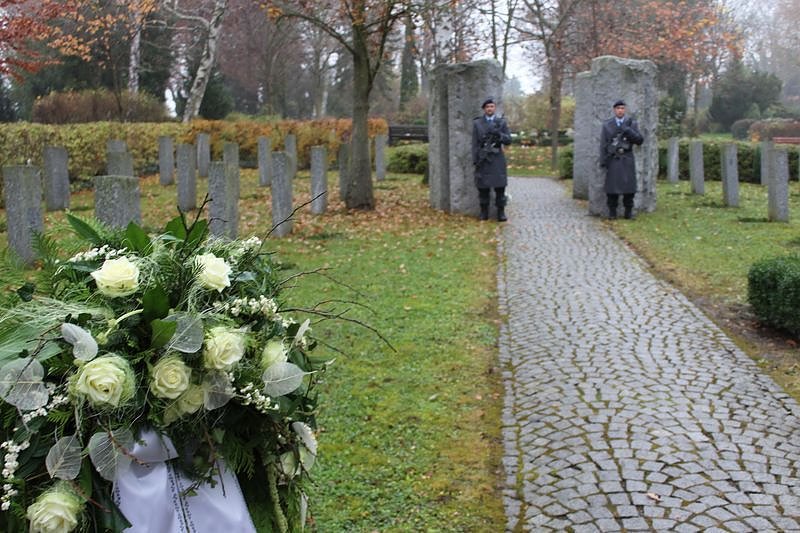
<point x="117" y="197"/>
<point x="774" y="174"/>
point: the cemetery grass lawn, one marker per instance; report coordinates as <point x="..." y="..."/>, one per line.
<point x="409" y="437"/>
<point x="528" y="160"/>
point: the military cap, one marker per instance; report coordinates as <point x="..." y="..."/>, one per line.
<point x="489" y="100"/>
<point x="619" y="103"/>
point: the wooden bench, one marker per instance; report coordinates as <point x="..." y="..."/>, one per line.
<point x="408" y="132"/>
<point x="786" y="140"/>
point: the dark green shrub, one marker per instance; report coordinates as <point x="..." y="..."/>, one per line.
<point x="565" y="158"/>
<point x="773" y="290"/>
<point x="740" y="129"/>
<point x="408" y="159"/>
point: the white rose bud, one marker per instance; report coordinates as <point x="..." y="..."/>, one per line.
<point x="214" y="272"/>
<point x="117" y="277"/>
<point x="105" y="381"/>
<point x="274" y="352"/>
<point x="189" y="402"/>
<point x="223" y="348"/>
<point x="170" y="377"/>
<point x="55" y="511"/>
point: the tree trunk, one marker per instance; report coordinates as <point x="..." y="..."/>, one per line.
<point x="359" y="192"/>
<point x="206" y="63"/>
<point x="135" y="60"/>
<point x="555" y="111"/>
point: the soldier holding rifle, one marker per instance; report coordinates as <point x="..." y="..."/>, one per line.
<point x="489" y="134"/>
<point x="618" y="136"/>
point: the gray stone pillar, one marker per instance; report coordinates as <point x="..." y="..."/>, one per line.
<point x="696" y="167"/>
<point x="281" y="195"/>
<point x="224" y="206"/>
<point x="203" y="141"/>
<point x="343" y="160"/>
<point x="22" y="192"/>
<point x="673" y="153"/>
<point x="230" y="156"/>
<point x="457" y="92"/>
<point x="585" y="150"/>
<point x="290" y="147"/>
<point x="380" y="156"/>
<point x="319" y="179"/>
<point x="264" y="161"/>
<point x="187" y="177"/>
<point x="119" y="164"/>
<point x="116" y="145"/>
<point x="116" y="200"/>
<point x="730" y="175"/>
<point x="56" y="178"/>
<point x="634" y="81"/>
<point x="166" y="160"/>
<point x="778" y="185"/>
<point x="765" y="147"/>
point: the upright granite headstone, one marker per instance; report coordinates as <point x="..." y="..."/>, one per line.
<point x="343" y="160"/>
<point x="224" y="206"/>
<point x="457" y="92"/>
<point x="22" y="192"/>
<point x="290" y="147"/>
<point x="778" y="185"/>
<point x="319" y="179"/>
<point x="187" y="177"/>
<point x="203" y="141"/>
<point x="264" y="161"/>
<point x="119" y="164"/>
<point x="585" y="150"/>
<point x="765" y="147"/>
<point x="610" y="79"/>
<point x="281" y="195"/>
<point x="696" y="171"/>
<point x="230" y="156"/>
<point x="116" y="200"/>
<point x="56" y="178"/>
<point x="672" y="160"/>
<point x="166" y="160"/>
<point x="380" y="156"/>
<point x="730" y="175"/>
<point x="116" y="145"/>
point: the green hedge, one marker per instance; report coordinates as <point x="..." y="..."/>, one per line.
<point x="566" y="156"/>
<point x="408" y="159"/>
<point x="773" y="290"/>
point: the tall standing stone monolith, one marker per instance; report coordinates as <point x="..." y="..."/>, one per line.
<point x="203" y="141"/>
<point x="116" y="145"/>
<point x="765" y="147"/>
<point x="343" y="161"/>
<point x="281" y="194"/>
<point x="585" y="150"/>
<point x="730" y="175"/>
<point x="457" y="92"/>
<point x="166" y="160"/>
<point x="673" y="153"/>
<point x="56" y="178"/>
<point x="187" y="177"/>
<point x="224" y="206"/>
<point x="319" y="179"/>
<point x="230" y="156"/>
<point x="264" y="161"/>
<point x="116" y="200"/>
<point x="778" y="185"/>
<point x="22" y="192"/>
<point x="696" y="170"/>
<point x="610" y="79"/>
<point x="119" y="164"/>
<point x="380" y="156"/>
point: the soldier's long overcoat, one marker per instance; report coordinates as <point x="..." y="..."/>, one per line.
<point x="490" y="172"/>
<point x="619" y="163"/>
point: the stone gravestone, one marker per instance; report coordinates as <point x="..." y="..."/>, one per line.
<point x="730" y="175"/>
<point x="281" y="195"/>
<point x="778" y="184"/>
<point x="22" y="192"/>
<point x="56" y="178"/>
<point x="585" y="150"/>
<point x="696" y="171"/>
<point x="224" y="206"/>
<point x="634" y="81"/>
<point x="187" y="177"/>
<point x="230" y="156"/>
<point x="380" y="156"/>
<point x="264" y="161"/>
<point x="203" y="141"/>
<point x="765" y="147"/>
<point x="116" y="200"/>
<point x="290" y="147"/>
<point x="457" y="92"/>
<point x="116" y="145"/>
<point x="119" y="164"/>
<point x="343" y="161"/>
<point x="166" y="160"/>
<point x="319" y="179"/>
<point x="673" y="153"/>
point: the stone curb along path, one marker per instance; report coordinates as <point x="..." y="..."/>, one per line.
<point x="626" y="409"/>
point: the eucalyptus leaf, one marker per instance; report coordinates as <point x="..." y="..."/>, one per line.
<point x="21" y="384"/>
<point x="84" y="347"/>
<point x="188" y="336"/>
<point x="64" y="458"/>
<point x="15" y="339"/>
<point x="109" y="452"/>
<point x="282" y="378"/>
<point x="217" y="390"/>
<point x="305" y="326"/>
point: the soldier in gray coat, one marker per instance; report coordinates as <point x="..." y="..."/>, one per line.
<point x="489" y="134"/>
<point x="619" y="135"/>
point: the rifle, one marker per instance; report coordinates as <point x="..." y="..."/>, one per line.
<point x="490" y="144"/>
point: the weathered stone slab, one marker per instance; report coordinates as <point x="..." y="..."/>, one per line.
<point x="281" y="194"/>
<point x="696" y="170"/>
<point x="730" y="175"/>
<point x="116" y="200"/>
<point x="290" y="147"/>
<point x="187" y="177"/>
<point x="778" y="185"/>
<point x="116" y="145"/>
<point x="585" y="150"/>
<point x="166" y="160"/>
<point x="343" y="161"/>
<point x="765" y="147"/>
<point x="203" y="141"/>
<point x="56" y="178"/>
<point x="230" y="156"/>
<point x="119" y="164"/>
<point x="380" y="156"/>
<point x="319" y="179"/>
<point x="22" y="192"/>
<point x="673" y="153"/>
<point x="223" y="190"/>
<point x="264" y="161"/>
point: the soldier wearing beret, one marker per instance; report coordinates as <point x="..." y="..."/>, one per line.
<point x="489" y="134"/>
<point x="618" y="136"/>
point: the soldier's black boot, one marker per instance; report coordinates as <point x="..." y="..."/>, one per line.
<point x="612" y="213"/>
<point x="628" y="212"/>
<point x="484" y="211"/>
<point x="501" y="213"/>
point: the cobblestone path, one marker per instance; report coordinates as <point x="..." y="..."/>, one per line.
<point x="626" y="409"/>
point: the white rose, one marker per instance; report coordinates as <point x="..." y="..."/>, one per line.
<point x="55" y="511"/>
<point x="274" y="352"/>
<point x="189" y="402"/>
<point x="117" y="277"/>
<point x="214" y="272"/>
<point x="107" y="380"/>
<point x="223" y="348"/>
<point x="170" y="377"/>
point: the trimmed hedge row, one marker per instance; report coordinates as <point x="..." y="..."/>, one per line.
<point x="773" y="290"/>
